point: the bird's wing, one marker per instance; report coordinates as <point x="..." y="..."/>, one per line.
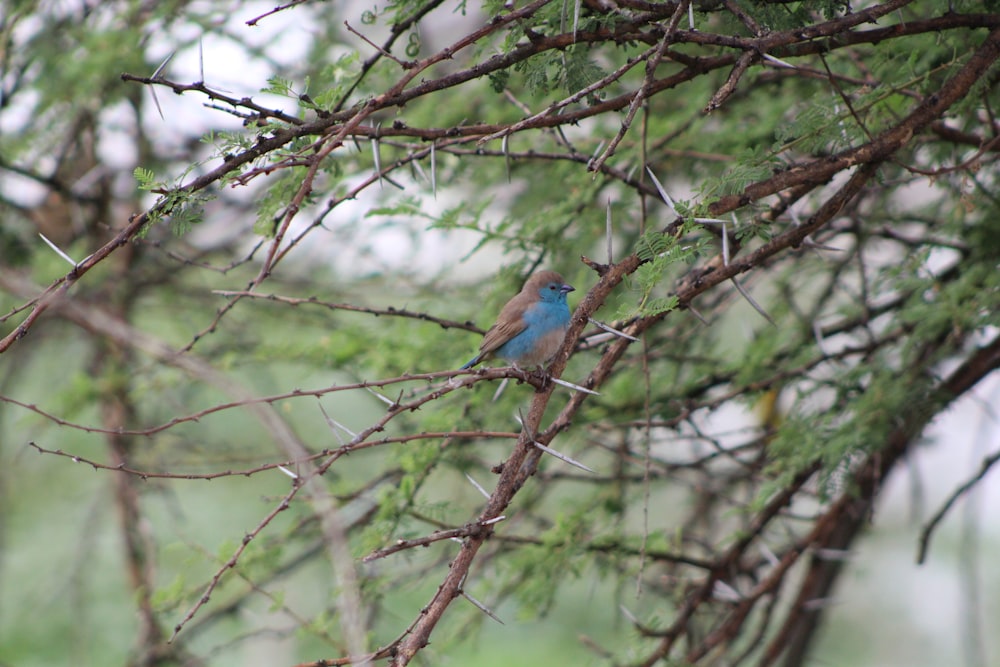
<point x="509" y="324"/>
<point x="500" y="333"/>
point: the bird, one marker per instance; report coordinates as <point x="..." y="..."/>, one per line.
<point x="531" y="326"/>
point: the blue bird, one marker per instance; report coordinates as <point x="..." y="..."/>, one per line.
<point x="532" y="325"/>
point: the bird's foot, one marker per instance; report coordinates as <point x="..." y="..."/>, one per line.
<point x="540" y="378"/>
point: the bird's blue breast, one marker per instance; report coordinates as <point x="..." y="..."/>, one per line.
<point x="546" y="323"/>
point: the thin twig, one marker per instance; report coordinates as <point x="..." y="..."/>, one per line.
<point x="928" y="530"/>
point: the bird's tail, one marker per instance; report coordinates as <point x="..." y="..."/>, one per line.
<point x="472" y="362"/>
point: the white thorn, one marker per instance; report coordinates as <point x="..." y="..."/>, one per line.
<point x="778" y="61"/>
<point x="57" y="250"/>
<point x="663" y="193"/>
<point x="769" y="555"/>
<point x="597" y="152"/>
<point x="575" y="387"/>
<point x="500" y="388"/>
<point x="818" y="603"/>
<point x="752" y="302"/>
<point x="334" y="424"/>
<point x="505" y="147"/>
<point x="628" y="614"/>
<point x="601" y="325"/>
<point x="477" y="485"/>
<point x="385" y="399"/>
<point x="420" y="170"/>
<point x="608" y="234"/>
<point x="723" y="591"/>
<point x="698" y="316"/>
<point x="159" y="69"/>
<point x="809" y="243"/>
<point x="562" y="457"/>
<point x="725" y="245"/>
<point x="376" y="156"/>
<point x="479" y="605"/>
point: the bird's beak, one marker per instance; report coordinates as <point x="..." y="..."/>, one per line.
<point x="567" y="288"/>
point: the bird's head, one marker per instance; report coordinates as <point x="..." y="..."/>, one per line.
<point x="549" y="286"/>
